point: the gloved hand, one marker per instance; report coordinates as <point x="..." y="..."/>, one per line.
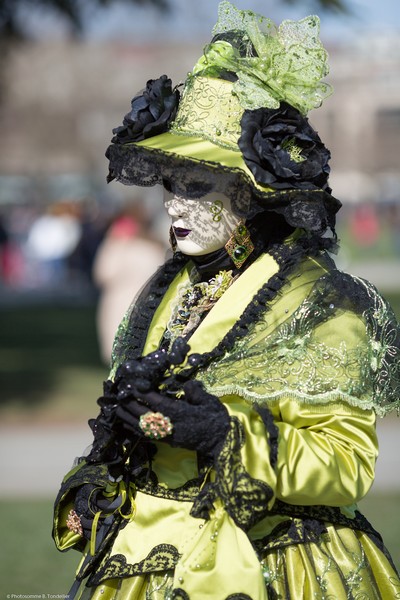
<point x="199" y="420"/>
<point x="89" y="500"/>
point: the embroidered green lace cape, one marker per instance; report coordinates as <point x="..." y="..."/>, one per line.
<point x="341" y="342"/>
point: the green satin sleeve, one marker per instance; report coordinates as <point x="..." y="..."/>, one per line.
<point x="256" y="449"/>
<point x="326" y="455"/>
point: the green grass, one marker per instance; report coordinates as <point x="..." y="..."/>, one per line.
<point x="381" y="509"/>
<point x="31" y="564"/>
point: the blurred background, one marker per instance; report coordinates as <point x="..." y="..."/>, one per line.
<point x="72" y="247"/>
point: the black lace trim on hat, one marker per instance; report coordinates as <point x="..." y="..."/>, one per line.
<point x="312" y="210"/>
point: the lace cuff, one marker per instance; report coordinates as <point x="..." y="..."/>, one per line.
<point x="247" y="500"/>
<point x="78" y="476"/>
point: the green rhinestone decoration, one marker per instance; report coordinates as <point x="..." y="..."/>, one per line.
<point x="239" y="246"/>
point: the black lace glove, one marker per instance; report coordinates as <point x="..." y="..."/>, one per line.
<point x="199" y="420"/>
<point x="89" y="500"/>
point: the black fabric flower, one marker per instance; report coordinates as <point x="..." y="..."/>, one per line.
<point x="282" y="150"/>
<point x="152" y="111"/>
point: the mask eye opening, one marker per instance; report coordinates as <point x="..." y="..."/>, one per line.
<point x="167" y="185"/>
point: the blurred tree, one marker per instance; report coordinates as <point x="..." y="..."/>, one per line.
<point x="74" y="11"/>
<point x="332" y="5"/>
<point x="13" y="29"/>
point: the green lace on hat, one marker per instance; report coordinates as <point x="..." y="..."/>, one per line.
<point x="272" y="64"/>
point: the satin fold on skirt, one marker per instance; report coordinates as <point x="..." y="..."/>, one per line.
<point x="344" y="565"/>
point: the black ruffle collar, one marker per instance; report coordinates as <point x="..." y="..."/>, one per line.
<point x="210" y="264"/>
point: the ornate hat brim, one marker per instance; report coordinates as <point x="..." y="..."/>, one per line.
<point x="193" y="162"/>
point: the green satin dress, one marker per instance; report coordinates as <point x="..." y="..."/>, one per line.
<point x="323" y="361"/>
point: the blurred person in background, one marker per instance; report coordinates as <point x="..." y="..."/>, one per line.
<point x="392" y="218"/>
<point x="4" y="238"/>
<point x="237" y="428"/>
<point x="52" y="239"/>
<point x="364" y="226"/>
<point x="125" y="260"/>
<point x="17" y="265"/>
<point x="94" y="223"/>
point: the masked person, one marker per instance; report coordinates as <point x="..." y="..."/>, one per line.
<point x="237" y="428"/>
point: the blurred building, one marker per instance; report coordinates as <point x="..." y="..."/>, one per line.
<point x="361" y="121"/>
<point x="63" y="98"/>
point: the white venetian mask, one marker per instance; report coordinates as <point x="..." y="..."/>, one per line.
<point x="201" y="225"/>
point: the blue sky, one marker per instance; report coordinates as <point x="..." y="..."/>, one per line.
<point x="197" y="17"/>
<point x="194" y="19"/>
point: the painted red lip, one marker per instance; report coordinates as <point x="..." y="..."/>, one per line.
<point x="180" y="232"/>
